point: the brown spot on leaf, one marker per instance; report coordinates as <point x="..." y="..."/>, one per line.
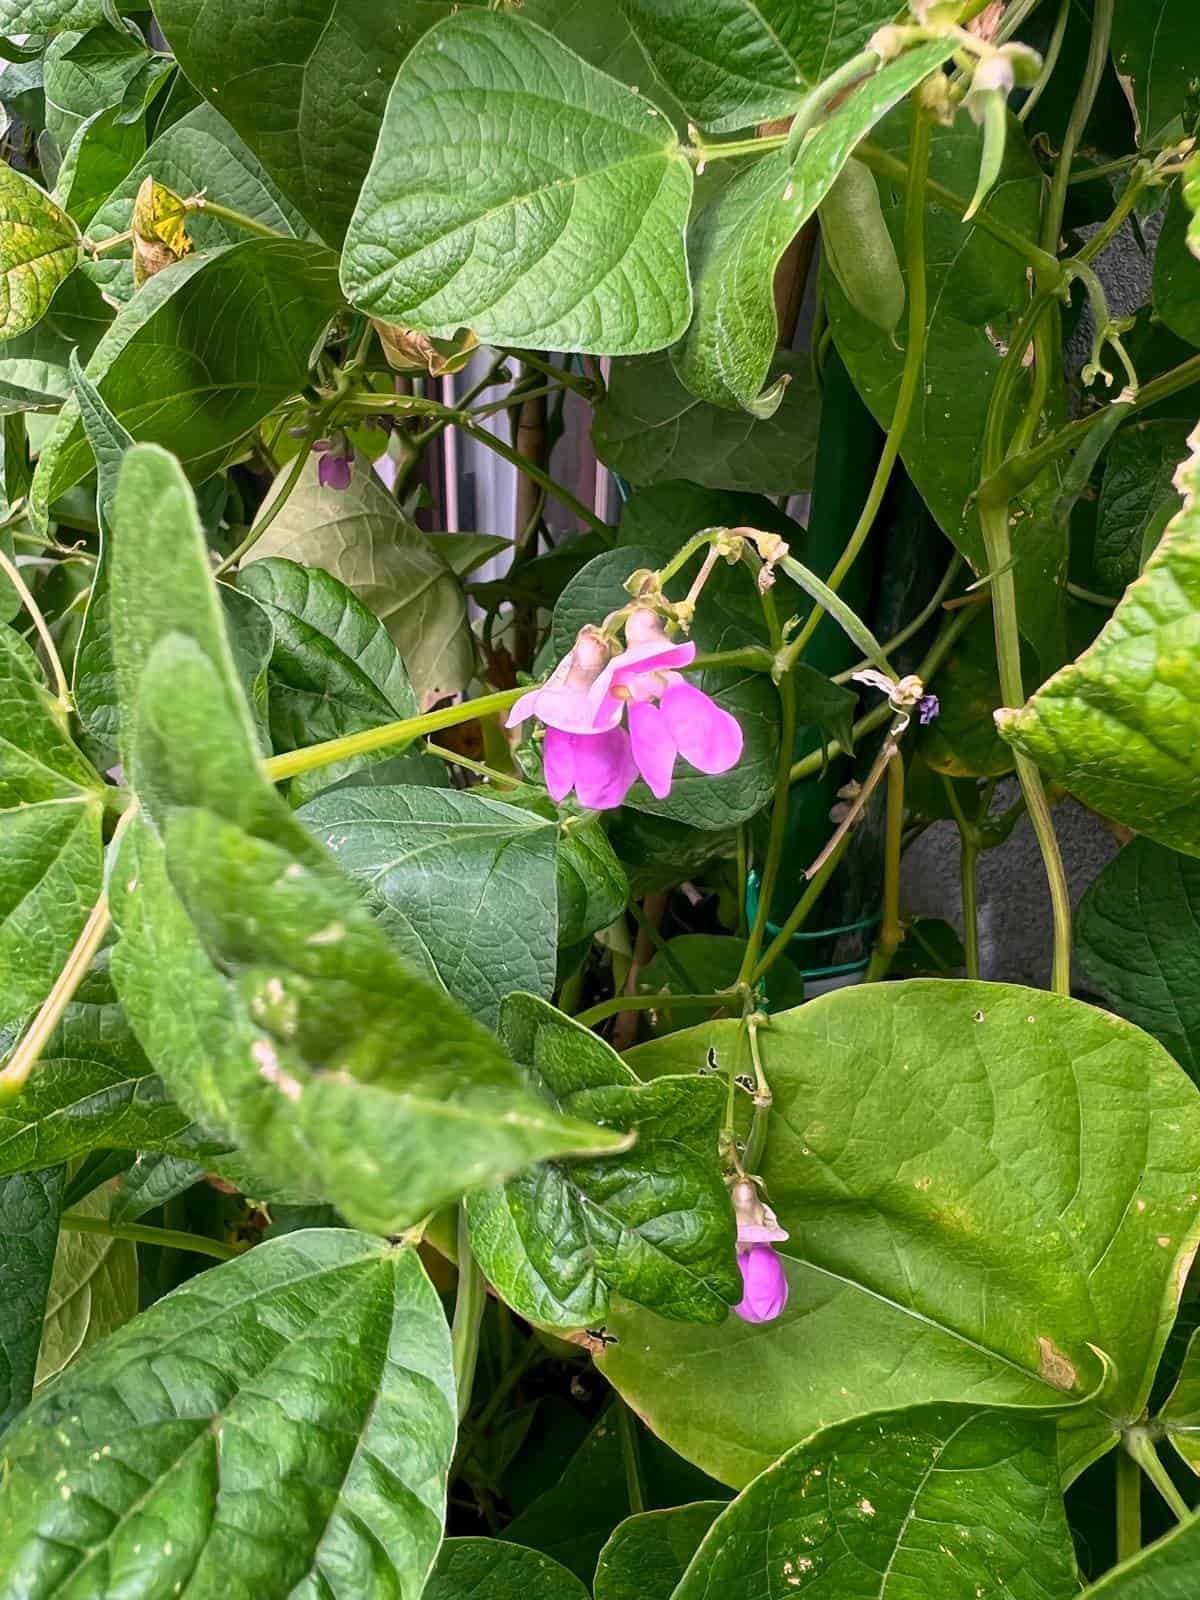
<point x="1053" y="1366"/>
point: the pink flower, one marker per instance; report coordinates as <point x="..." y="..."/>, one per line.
<point x="764" y="1283"/>
<point x="765" y="1288"/>
<point x="335" y="468"/>
<point x="585" y="700"/>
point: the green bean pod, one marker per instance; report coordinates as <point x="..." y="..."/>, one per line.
<point x="859" y="248"/>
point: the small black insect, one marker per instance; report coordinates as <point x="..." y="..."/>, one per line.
<point x="602" y="1336"/>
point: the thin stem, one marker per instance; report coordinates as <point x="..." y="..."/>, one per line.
<point x="201" y="202"/>
<point x="702" y="153"/>
<point x="1107" y="169"/>
<point x="1091" y="596"/>
<point x="1097" y="60"/>
<point x="13" y="574"/>
<point x="551" y="486"/>
<point x="477" y="767"/>
<point x="927" y="611"/>
<point x="1108" y="228"/>
<point x="803" y="909"/>
<point x="1141" y="1448"/>
<point x="777" y="834"/>
<point x="165" y="1238"/>
<point x="101" y="246"/>
<point x="1129" y="1506"/>
<point x="660" y="1002"/>
<point x="629" y="1455"/>
<point x="968" y="861"/>
<point x="662" y="946"/>
<point x="814" y="103"/>
<point x="469" y="1302"/>
<point x="23" y="1059"/>
<point x="563" y="376"/>
<point x="826" y="601"/>
<point x="518" y="397"/>
<point x="293" y="762"/>
<point x="891" y="930"/>
<point x="281" y="499"/>
<point x="1049" y="60"/>
<point x="914" y="358"/>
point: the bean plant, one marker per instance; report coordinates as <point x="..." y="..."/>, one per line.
<point x="478" y="1116"/>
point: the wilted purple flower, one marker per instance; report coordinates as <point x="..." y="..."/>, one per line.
<point x="764" y="1282"/>
<point x="928" y="707"/>
<point x="335" y="468"/>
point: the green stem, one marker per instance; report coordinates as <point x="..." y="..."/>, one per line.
<point x="262" y="523"/>
<point x="827" y="601"/>
<point x="1049" y="60"/>
<point x="313" y="756"/>
<point x="755" y="656"/>
<point x="1108" y="228"/>
<point x="1107" y="169"/>
<point x="535" y="473"/>
<point x="1091" y="596"/>
<point x="777" y="834"/>
<point x="968" y="861"/>
<point x="465" y="762"/>
<point x="890" y="929"/>
<point x="562" y="376"/>
<point x="1140" y="1447"/>
<point x="661" y="1002"/>
<point x="1097" y="60"/>
<point x="238" y="219"/>
<point x="13" y="573"/>
<point x="914" y="358"/>
<point x="928" y="610"/>
<point x="166" y="1238"/>
<point x="802" y="910"/>
<point x="629" y="1455"/>
<point x="100" y="247"/>
<point x="469" y="1302"/>
<point x="1129" y="1506"/>
<point x="814" y="103"/>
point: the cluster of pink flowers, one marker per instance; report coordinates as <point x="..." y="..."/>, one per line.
<point x="610" y="718"/>
<point x="764" y="1283"/>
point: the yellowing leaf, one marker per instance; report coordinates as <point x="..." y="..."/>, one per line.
<point x="39" y="244"/>
<point x="159" y="234"/>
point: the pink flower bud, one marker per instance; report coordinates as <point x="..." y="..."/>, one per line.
<point x="764" y="1283"/>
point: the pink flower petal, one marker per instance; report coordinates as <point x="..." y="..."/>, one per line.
<point x="604" y="769"/>
<point x="764" y="1282"/>
<point x="523" y="708"/>
<point x="565" y="701"/>
<point x="652" y="745"/>
<point x="706" y="736"/>
<point x="558" y="763"/>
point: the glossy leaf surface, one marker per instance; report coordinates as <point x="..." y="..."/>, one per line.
<point x="29" y="1207"/>
<point x="648" y="1554"/>
<point x="501" y="1572"/>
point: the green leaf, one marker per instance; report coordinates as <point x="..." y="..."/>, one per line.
<point x="85" y="73"/>
<point x="177" y="366"/>
<point x="603" y="36"/>
<point x="1180" y="1416"/>
<point x="738" y="62"/>
<point x="518" y="191"/>
<point x="499" y="1571"/>
<point x="39" y="245"/>
<point x="945" y="1502"/>
<point x="977" y="288"/>
<point x="654" y="1225"/>
<point x="1157" y="55"/>
<point x="50" y="878"/>
<point x="101" y="152"/>
<point x="824" y="705"/>
<point x="33" y="367"/>
<point x="93" y="1289"/>
<point x="738" y="241"/>
<point x="981" y="1186"/>
<point x="649" y="428"/>
<point x="360" y="536"/>
<point x="199" y="152"/>
<point x="727" y="618"/>
<point x="29" y="1207"/>
<point x="1136" y="492"/>
<point x="1117" y="726"/>
<point x="1167" y="1570"/>
<point x="1177" y="273"/>
<point x="469" y="881"/>
<point x="255" y="979"/>
<point x="592" y="884"/>
<point x="334" y="668"/>
<point x="704" y="963"/>
<point x="37" y="758"/>
<point x="327" y="1348"/>
<point x="647" y="1555"/>
<point x="306" y="58"/>
<point x="1136" y="938"/>
<point x="48" y="16"/>
<point x="153" y="1180"/>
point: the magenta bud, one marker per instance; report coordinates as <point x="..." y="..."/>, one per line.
<point x="764" y="1282"/>
<point x="334" y="471"/>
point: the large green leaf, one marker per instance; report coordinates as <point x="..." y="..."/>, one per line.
<point x="1118" y="726"/>
<point x="38" y="761"/>
<point x="33" y="367"/>
<point x="649" y="428"/>
<point x="310" y="1381"/>
<point x="725" y="620"/>
<point x="736" y="62"/>
<point x="499" y="1571"/>
<point x="39" y="244"/>
<point x="102" y="151"/>
<point x="178" y="366"/>
<point x="1180" y="1416"/>
<point x="738" y="241"/>
<point x="654" y="1225"/>
<point x="976" y="289"/>
<point x="1177" y="273"/>
<point x="1135" y="494"/>
<point x="93" y="1289"/>
<point x="982" y="1186"/>
<point x="521" y="192"/>
<point x="309" y="103"/>
<point x="468" y="880"/>
<point x="1168" y="1570"/>
<point x="334" y="667"/>
<point x="1137" y="938"/>
<point x="255" y="979"/>
<point x="647" y="1555"/>
<point x="703" y="963"/>
<point x="199" y="152"/>
<point x="362" y="538"/>
<point x="592" y="884"/>
<point x="29" y="1207"/>
<point x="1157" y="54"/>
<point x="48" y="16"/>
<point x="84" y="73"/>
<point x="941" y="1502"/>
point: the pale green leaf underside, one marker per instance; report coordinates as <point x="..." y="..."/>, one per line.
<point x="980" y="1182"/>
<point x="93" y="1289"/>
<point x="1168" y="1570"/>
<point x="518" y="191"/>
<point x="1120" y="727"/>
